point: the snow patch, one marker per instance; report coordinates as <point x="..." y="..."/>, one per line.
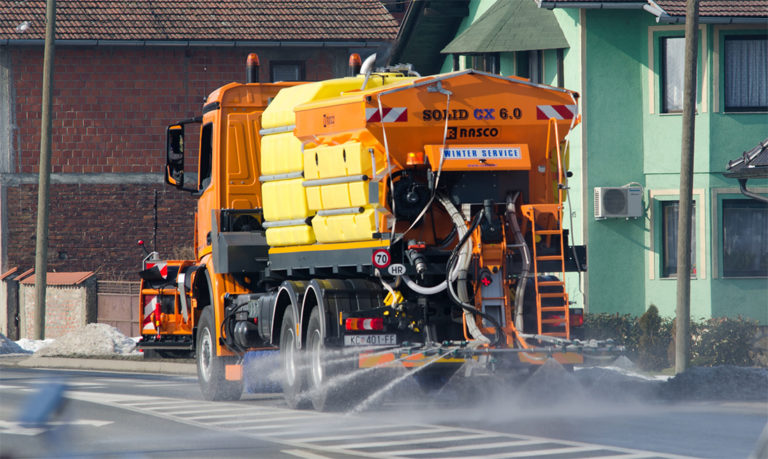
<point x="9" y="347"/>
<point x="91" y="340"/>
<point x="34" y="345"/>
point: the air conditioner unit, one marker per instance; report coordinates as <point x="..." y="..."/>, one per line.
<point x="618" y="202"/>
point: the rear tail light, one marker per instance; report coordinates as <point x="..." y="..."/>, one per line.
<point x="354" y="324"/>
<point x="577" y="317"/>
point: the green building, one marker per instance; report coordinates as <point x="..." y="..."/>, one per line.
<point x="626" y="60"/>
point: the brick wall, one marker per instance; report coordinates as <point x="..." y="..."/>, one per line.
<point x="111" y="106"/>
<point x="95" y="227"/>
<point x="67" y="308"/>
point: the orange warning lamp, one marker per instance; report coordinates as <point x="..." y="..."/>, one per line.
<point x="415" y="158"/>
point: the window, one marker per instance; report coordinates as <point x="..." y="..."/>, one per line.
<point x="286" y="71"/>
<point x="745" y="238"/>
<point x="746" y="73"/>
<point x="529" y="64"/>
<point x="483" y="62"/>
<point x="672" y="70"/>
<point x="206" y="155"/>
<point x="669" y="216"/>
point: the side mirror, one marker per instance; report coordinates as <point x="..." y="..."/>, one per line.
<point x="174" y="163"/>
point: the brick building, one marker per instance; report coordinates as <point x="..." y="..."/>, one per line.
<point x="123" y="72"/>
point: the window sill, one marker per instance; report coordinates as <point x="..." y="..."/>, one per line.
<point x="755" y="112"/>
<point x="742" y="277"/>
<point x="697" y="112"/>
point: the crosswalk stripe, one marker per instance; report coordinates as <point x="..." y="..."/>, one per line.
<point x="261" y="420"/>
<point x="304" y="454"/>
<point x="291" y="427"/>
<point x="387" y="433"/>
<point x="414" y="440"/>
<point x="484" y="446"/>
<point x="541" y="452"/>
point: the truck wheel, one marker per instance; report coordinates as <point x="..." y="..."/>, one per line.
<point x="210" y="367"/>
<point x="325" y="365"/>
<point x="294" y="369"/>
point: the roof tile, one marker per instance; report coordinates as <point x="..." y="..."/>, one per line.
<point x="201" y="20"/>
<point x="716" y="8"/>
<point x="731" y="8"/>
<point x="73" y="278"/>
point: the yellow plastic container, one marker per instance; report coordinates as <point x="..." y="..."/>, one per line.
<point x="280" y="154"/>
<point x="284" y="200"/>
<point x="345" y="228"/>
<point x="335" y="196"/>
<point x="290" y="235"/>
<point x="348" y="159"/>
<point x="280" y="111"/>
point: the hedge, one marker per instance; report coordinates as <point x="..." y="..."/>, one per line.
<point x="649" y="339"/>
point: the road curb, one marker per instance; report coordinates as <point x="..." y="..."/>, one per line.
<point x="96" y="364"/>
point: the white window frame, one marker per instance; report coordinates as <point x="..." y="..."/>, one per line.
<point x="655" y="224"/>
<point x="654" y="77"/>
<point x="717" y="226"/>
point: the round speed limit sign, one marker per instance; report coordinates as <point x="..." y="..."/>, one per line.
<point x="381" y="258"/>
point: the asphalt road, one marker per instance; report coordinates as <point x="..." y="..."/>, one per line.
<point x="110" y="414"/>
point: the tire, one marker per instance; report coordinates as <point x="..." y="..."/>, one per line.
<point x="324" y="366"/>
<point x="210" y="367"/>
<point x="292" y="362"/>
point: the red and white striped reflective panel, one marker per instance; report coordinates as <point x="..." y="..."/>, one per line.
<point x="161" y="265"/>
<point x="558" y="112"/>
<point x="390" y="115"/>
<point x="150" y="304"/>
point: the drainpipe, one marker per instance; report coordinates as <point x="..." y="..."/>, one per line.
<point x="746" y="192"/>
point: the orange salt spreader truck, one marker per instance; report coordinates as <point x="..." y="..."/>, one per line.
<point x="383" y="219"/>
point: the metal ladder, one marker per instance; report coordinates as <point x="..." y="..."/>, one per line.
<point x="552" y="304"/>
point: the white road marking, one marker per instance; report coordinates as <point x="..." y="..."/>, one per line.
<point x="345" y="428"/>
<point x="260" y="423"/>
<point x="379" y="444"/>
<point x="14" y="428"/>
<point x="541" y="452"/>
<point x="265" y="420"/>
<point x="233" y="411"/>
<point x="484" y="446"/>
<point x="304" y="454"/>
<point x="388" y="433"/>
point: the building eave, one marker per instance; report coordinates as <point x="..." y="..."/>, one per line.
<point x="592" y="5"/>
<point x="650" y="6"/>
<point x="203" y="43"/>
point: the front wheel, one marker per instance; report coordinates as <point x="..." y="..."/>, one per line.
<point x="210" y="367"/>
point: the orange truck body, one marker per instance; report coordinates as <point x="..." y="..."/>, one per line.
<point x="377" y="210"/>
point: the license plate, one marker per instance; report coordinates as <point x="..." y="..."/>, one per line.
<point x="370" y="340"/>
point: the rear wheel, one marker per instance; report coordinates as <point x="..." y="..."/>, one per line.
<point x="210" y="367"/>
<point x="327" y="388"/>
<point x="294" y="369"/>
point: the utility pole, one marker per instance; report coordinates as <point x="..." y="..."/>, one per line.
<point x="683" y="311"/>
<point x="41" y="250"/>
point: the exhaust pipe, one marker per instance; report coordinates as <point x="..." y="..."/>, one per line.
<point x="252" y="68"/>
<point x="367" y="69"/>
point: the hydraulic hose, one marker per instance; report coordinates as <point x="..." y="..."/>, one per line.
<point x="421" y="290"/>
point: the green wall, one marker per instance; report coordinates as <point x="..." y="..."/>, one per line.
<point x="614" y="139"/>
<point x="628" y="140"/>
